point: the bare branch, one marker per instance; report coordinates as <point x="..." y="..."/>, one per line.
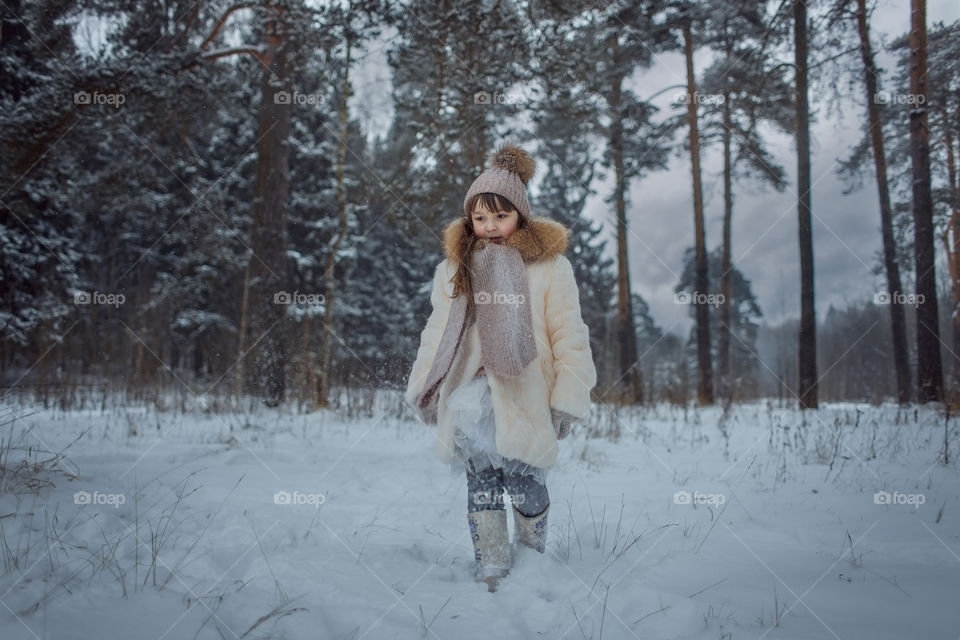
<point x="256" y="52"/>
<point x="223" y="20"/>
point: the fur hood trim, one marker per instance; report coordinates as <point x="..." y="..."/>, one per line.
<point x="552" y="234"/>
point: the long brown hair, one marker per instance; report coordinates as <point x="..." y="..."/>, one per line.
<point x="462" y="283"/>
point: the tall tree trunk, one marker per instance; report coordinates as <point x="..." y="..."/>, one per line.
<point x="440" y="104"/>
<point x="807" y="344"/>
<point x="139" y="373"/>
<point x="323" y="390"/>
<point x="726" y="276"/>
<point x="898" y="325"/>
<point x="929" y="369"/>
<point x="473" y="143"/>
<point x="242" y="333"/>
<point x="629" y="380"/>
<point x="955" y="193"/>
<point x="701" y="282"/>
<point x="266" y="376"/>
<point x="951" y="241"/>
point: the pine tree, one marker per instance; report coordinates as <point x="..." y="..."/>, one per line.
<point x="807" y="341"/>
<point x="848" y="15"/>
<point x="39" y="226"/>
<point x="454" y="65"/>
<point x="929" y="368"/>
<point x="563" y="117"/>
<point x="742" y="89"/>
<point x="610" y="52"/>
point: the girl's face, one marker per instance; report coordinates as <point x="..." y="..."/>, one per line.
<point x="495" y="226"/>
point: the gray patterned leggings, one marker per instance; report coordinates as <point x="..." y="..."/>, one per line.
<point x="485" y="490"/>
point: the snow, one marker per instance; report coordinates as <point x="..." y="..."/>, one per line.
<point x="782" y="536"/>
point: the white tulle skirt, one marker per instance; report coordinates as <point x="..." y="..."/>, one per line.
<point x="471" y="409"/>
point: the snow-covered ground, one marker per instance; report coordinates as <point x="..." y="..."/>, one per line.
<point x="665" y="523"/>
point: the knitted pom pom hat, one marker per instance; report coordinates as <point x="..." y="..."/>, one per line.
<point x="511" y="169"/>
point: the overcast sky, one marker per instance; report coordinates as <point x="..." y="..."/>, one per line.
<point x="845" y="228"/>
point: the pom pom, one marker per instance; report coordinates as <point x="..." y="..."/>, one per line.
<point x="516" y="160"/>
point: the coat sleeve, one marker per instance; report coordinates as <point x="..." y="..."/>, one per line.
<point x="430" y="336"/>
<point x="570" y="343"/>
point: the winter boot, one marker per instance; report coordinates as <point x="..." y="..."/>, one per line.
<point x="491" y="548"/>
<point x="531" y="530"/>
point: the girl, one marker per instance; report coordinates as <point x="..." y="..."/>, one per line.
<point x="504" y="365"/>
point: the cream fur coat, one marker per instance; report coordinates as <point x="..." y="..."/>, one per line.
<point x="560" y="377"/>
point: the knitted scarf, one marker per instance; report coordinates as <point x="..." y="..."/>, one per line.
<point x="501" y="294"/>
